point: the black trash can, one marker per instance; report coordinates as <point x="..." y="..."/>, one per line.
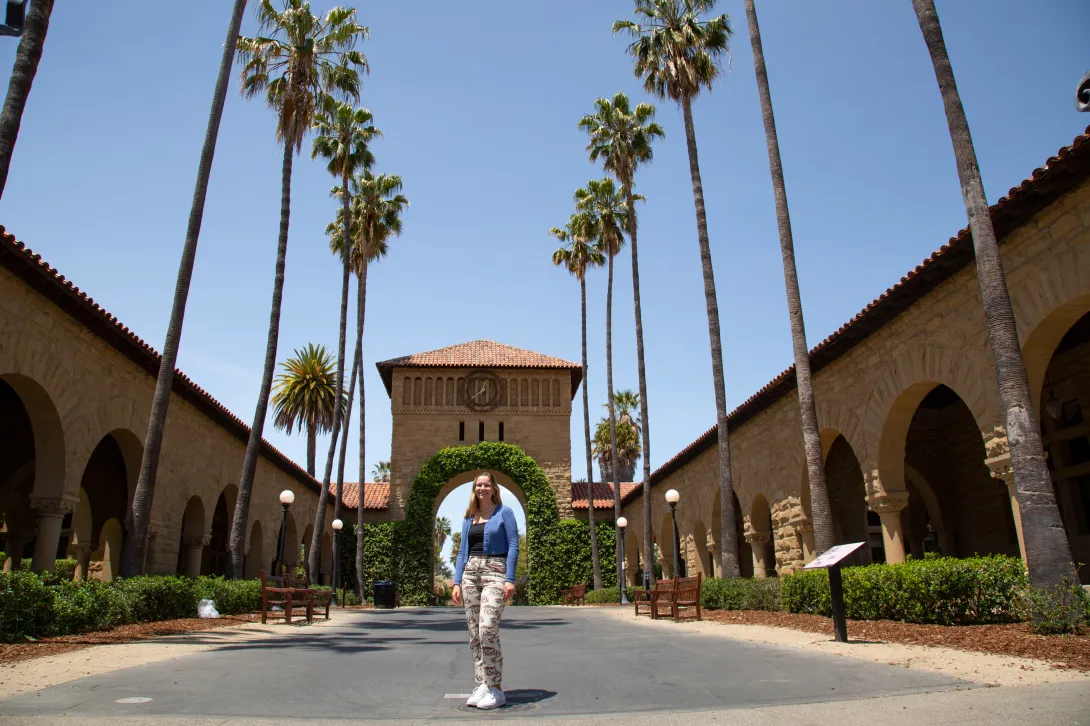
<point x="385" y="594"/>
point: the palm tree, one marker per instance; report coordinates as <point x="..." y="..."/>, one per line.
<point x="133" y="554"/>
<point x="381" y="471"/>
<point x="305" y="396"/>
<point x="621" y="137"/>
<point x="676" y="54"/>
<point x="299" y="61"/>
<point x="22" y="78"/>
<point x="606" y="202"/>
<point x="1048" y="553"/>
<point x="625" y="401"/>
<point x="344" y="133"/>
<point x="377" y="204"/>
<point x="578" y="254"/>
<point x="811" y="436"/>
<point x="626" y="434"/>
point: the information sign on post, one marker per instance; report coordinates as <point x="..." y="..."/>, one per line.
<point x="830" y="559"/>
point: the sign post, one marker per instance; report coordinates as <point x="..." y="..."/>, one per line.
<point x="830" y="560"/>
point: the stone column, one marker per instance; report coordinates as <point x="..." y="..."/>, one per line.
<point x="82" y="553"/>
<point x="47" y="540"/>
<point x="804" y="530"/>
<point x="758" y="542"/>
<point x="194" y="549"/>
<point x="999" y="463"/>
<point x="15" y="545"/>
<point x="888" y="506"/>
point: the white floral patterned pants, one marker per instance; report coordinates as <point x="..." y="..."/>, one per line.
<point x="482" y="593"/>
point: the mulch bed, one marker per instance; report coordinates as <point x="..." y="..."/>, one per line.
<point x="1016" y="639"/>
<point x="12" y="652"/>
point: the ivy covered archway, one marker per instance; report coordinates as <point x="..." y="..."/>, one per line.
<point x="413" y="536"/>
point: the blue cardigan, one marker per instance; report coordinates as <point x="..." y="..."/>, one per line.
<point x="501" y="537"/>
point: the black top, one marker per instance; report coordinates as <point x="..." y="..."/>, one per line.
<point x="476" y="539"/>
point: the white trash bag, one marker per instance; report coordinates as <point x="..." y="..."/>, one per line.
<point x="207" y="609"/>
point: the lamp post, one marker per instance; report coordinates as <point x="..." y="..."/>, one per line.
<point x="672" y="496"/>
<point x="337" y="525"/>
<point x="621" y="524"/>
<point x="286" y="498"/>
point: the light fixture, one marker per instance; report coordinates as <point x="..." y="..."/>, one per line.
<point x="287" y="496"/>
<point x="672" y="496"/>
<point x="337" y="524"/>
<point x="622" y="522"/>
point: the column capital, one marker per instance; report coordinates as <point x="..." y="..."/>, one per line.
<point x="51" y="507"/>
<point x="196" y="540"/>
<point x="887" y="502"/>
<point x="997" y="452"/>
<point x="81" y="549"/>
<point x="758" y="537"/>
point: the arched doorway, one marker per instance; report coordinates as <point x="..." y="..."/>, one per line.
<point x="191" y="538"/>
<point x="255" y="556"/>
<point x="414" y="537"/>
<point x="108" y="481"/>
<point x="216" y="558"/>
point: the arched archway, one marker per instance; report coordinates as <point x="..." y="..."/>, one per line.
<point x="191" y="538"/>
<point x="216" y="559"/>
<point x="109" y="551"/>
<point x="255" y="556"/>
<point x="413" y="537"/>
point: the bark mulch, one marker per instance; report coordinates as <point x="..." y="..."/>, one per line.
<point x="1015" y="639"/>
<point x="12" y="652"/>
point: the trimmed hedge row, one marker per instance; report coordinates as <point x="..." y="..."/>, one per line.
<point x="37" y="606"/>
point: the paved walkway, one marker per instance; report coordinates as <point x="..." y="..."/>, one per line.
<point x="561" y="663"/>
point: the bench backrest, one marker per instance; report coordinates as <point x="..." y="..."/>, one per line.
<point x="579" y="590"/>
<point x="283" y="581"/>
<point x="666" y="585"/>
<point x="687" y="588"/>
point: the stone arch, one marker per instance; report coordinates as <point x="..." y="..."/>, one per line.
<point x="46" y="433"/>
<point x="429" y="391"/>
<point x="704" y="560"/>
<point x="216" y="557"/>
<point x="109" y="550"/>
<point x="1043" y="339"/>
<point x="255" y="555"/>
<point x="413" y="536"/>
<point x="917" y="483"/>
<point x="406" y="391"/>
<point x="418" y="391"/>
<point x="191" y="538"/>
<point x="846" y="487"/>
<point x="109" y="478"/>
<point x="556" y="393"/>
<point x="837" y="420"/>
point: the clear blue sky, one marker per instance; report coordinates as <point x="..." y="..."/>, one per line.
<point x="479" y="110"/>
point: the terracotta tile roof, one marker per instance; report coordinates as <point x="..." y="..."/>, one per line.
<point x="478" y="354"/>
<point x="376" y="494"/>
<point x="22" y="262"/>
<point x="1060" y="174"/>
<point x="603" y="493"/>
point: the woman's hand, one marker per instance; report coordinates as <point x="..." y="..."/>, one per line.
<point x="508" y="591"/>
<point x="456" y="594"/>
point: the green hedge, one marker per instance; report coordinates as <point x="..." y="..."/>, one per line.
<point x="570" y="562"/>
<point x="605" y="595"/>
<point x="939" y="590"/>
<point x="378" y="559"/>
<point x="740" y="594"/>
<point x="37" y="605"/>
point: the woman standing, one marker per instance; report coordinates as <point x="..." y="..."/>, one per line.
<point x="484" y="580"/>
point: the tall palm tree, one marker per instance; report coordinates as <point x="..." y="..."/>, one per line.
<point x="377" y="205"/>
<point x="344" y="133"/>
<point x="381" y="471"/>
<point x="305" y="396"/>
<point x="27" y="56"/>
<point x="621" y="137"/>
<point x="576" y="256"/>
<point x="811" y="436"/>
<point x="626" y="434"/>
<point x="607" y="203"/>
<point x="675" y="53"/>
<point x="1048" y="553"/>
<point x="133" y="554"/>
<point x="626" y="401"/>
<point x="298" y="61"/>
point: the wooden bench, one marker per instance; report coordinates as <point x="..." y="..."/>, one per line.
<point x="290" y="593"/>
<point x="686" y="594"/>
<point x="574" y="595"/>
<point x="654" y="598"/>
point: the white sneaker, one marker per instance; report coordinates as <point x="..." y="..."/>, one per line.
<point x="493" y="698"/>
<point x="477" y="695"/>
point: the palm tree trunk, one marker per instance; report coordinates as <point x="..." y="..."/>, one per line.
<point x="1048" y="552"/>
<point x="729" y="544"/>
<point x="596" y="565"/>
<point x="253" y="446"/>
<point x="361" y="303"/>
<point x="139" y="517"/>
<point x="612" y="425"/>
<point x="27" y="57"/>
<point x="315" y="554"/>
<point x="820" y="510"/>
<point x="648" y="566"/>
<point x="312" y="448"/>
<point x="339" y="502"/>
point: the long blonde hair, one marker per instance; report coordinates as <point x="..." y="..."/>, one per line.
<point x="474" y="504"/>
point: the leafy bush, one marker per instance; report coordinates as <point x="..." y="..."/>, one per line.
<point x="611" y="595"/>
<point x="79" y="607"/>
<point x="26" y="606"/>
<point x="158" y="597"/>
<point x="64" y="570"/>
<point x="939" y="590"/>
<point x="740" y="593"/>
<point x="232" y="597"/>
<point x="1062" y="608"/>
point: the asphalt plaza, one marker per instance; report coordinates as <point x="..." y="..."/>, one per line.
<point x="402" y="664"/>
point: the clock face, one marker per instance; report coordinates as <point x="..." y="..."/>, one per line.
<point x="482" y="390"/>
